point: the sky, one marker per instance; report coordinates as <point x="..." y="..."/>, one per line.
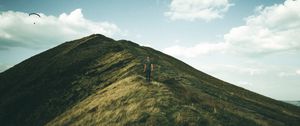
<point x="252" y="44"/>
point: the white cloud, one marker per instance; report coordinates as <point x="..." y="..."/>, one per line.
<point x="273" y="29"/>
<point x="286" y="74"/>
<point x="17" y="29"/>
<point x="191" y="10"/>
<point x="298" y="72"/>
<point x="244" y="83"/>
<point x="199" y="49"/>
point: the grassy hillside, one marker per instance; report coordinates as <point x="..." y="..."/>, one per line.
<point x="99" y="81"/>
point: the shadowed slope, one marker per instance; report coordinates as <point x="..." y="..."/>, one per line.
<point x="97" y="80"/>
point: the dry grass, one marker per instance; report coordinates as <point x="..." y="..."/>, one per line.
<point x="127" y="102"/>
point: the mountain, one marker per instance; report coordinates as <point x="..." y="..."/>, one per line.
<point x="96" y="80"/>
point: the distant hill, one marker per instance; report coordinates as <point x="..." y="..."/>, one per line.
<point x="96" y="80"/>
<point x="297" y="103"/>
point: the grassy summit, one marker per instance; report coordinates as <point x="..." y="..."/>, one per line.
<point x="99" y="81"/>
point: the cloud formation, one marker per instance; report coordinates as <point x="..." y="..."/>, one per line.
<point x="298" y="72"/>
<point x="18" y="29"/>
<point x="273" y="29"/>
<point x="285" y="74"/>
<point x="199" y="49"/>
<point x="191" y="10"/>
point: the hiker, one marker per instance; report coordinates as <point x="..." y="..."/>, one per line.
<point x="148" y="68"/>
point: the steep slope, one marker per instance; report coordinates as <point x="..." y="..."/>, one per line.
<point x="99" y="81"/>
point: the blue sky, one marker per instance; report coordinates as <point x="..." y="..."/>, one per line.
<point x="253" y="44"/>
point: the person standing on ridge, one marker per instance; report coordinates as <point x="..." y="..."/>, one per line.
<point x="148" y="68"/>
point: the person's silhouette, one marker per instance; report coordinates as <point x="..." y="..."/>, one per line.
<point x="148" y="68"/>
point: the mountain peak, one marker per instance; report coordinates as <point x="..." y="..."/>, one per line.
<point x="98" y="35"/>
<point x="96" y="80"/>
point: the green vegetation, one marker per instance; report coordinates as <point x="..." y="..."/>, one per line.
<point x="99" y="81"/>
